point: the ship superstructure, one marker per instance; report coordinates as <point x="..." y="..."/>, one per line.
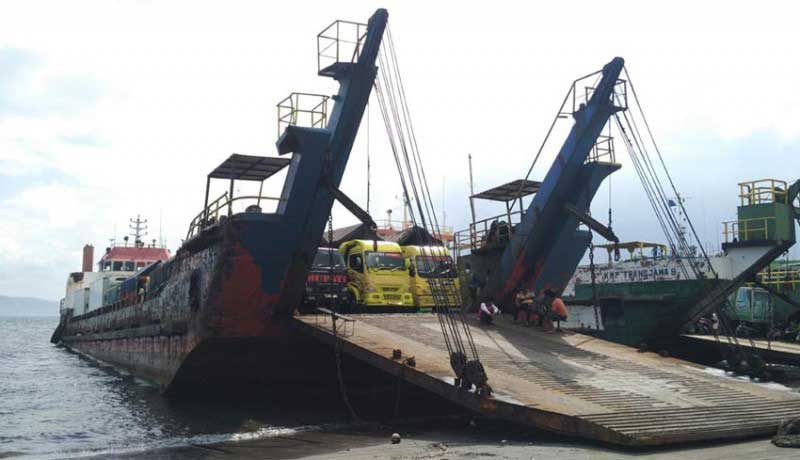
<point x="88" y="289"/>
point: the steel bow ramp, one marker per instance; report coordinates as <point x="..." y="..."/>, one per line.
<point x="569" y="383"/>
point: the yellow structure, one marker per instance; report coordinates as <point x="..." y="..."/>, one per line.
<point x="432" y="265"/>
<point x="377" y="274"/>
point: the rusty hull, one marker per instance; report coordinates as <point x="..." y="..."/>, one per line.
<point x="221" y="326"/>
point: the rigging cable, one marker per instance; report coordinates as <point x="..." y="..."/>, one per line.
<point x="656" y="193"/>
<point x="396" y="115"/>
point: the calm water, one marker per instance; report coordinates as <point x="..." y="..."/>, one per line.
<point x="57" y="404"/>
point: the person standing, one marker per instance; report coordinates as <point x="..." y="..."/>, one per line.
<point x="476" y="286"/>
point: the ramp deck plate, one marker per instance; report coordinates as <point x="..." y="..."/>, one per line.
<point x="570" y="383"/>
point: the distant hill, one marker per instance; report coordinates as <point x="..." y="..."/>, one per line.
<point x="27" y="306"/>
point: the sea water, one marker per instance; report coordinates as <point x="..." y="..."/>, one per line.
<point x="57" y="404"/>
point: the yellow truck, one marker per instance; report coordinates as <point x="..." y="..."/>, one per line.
<point x="428" y="264"/>
<point x="377" y="275"/>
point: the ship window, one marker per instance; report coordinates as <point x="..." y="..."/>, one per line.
<point x="106" y="266"/>
<point x="139" y="264"/>
<point x="117" y="266"/>
<point x="129" y="266"/>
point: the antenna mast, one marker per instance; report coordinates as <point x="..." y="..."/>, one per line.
<point x="139" y="230"/>
<point x="444" y="213"/>
<point x="471" y="188"/>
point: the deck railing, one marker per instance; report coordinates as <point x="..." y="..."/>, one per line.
<point x="339" y="42"/>
<point x="602" y="150"/>
<point x="762" y="191"/>
<point x="747" y="229"/>
<point x="781" y="278"/>
<point x="481" y="235"/>
<point x="303" y="109"/>
<point x="222" y="207"/>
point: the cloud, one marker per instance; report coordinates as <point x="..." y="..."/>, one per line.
<point x="18" y="66"/>
<point x="108" y="110"/>
<point x="27" y="88"/>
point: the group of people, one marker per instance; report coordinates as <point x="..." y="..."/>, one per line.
<point x="542" y="310"/>
<point x="529" y="310"/>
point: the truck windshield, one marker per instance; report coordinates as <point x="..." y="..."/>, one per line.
<point x="435" y="267"/>
<point x="323" y="259"/>
<point x="385" y="261"/>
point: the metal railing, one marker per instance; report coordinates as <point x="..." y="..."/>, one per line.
<point x="781" y="278"/>
<point x="482" y="234"/>
<point x="221" y="208"/>
<point x="462" y="242"/>
<point x="747" y="229"/>
<point x="603" y="149"/>
<point x="303" y="109"/>
<point x="762" y="191"/>
<point x="339" y="42"/>
<point x="619" y="97"/>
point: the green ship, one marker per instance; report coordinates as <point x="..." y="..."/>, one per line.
<point x="645" y="299"/>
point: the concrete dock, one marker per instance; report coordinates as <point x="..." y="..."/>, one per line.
<point x="773" y="351"/>
<point x="568" y="383"/>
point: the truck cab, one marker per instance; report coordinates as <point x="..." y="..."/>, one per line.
<point x="427" y="264"/>
<point x="377" y="275"/>
<point x="326" y="284"/>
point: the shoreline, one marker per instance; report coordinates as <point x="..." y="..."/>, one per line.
<point x="455" y="439"/>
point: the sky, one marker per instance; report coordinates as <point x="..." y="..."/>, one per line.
<point x="113" y="109"/>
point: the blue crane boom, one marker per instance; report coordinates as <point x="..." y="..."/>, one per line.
<point x="547" y="246"/>
<point x="319" y="158"/>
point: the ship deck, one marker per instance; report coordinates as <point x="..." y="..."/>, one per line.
<point x="568" y="383"/>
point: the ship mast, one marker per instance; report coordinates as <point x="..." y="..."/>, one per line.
<point x="138" y="227"/>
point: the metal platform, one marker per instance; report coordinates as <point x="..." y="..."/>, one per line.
<point x="569" y="383"/>
<point x="786" y="352"/>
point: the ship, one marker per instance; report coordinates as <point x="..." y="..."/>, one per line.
<point x="642" y="295"/>
<point x="218" y="312"/>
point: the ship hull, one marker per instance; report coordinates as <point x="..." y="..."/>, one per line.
<point x="211" y="317"/>
<point x="640" y="313"/>
<point x="214" y="364"/>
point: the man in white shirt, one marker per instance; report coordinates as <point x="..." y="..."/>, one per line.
<point x="488" y="311"/>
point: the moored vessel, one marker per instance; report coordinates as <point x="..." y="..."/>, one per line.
<point x="646" y="297"/>
<point x="218" y="311"/>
